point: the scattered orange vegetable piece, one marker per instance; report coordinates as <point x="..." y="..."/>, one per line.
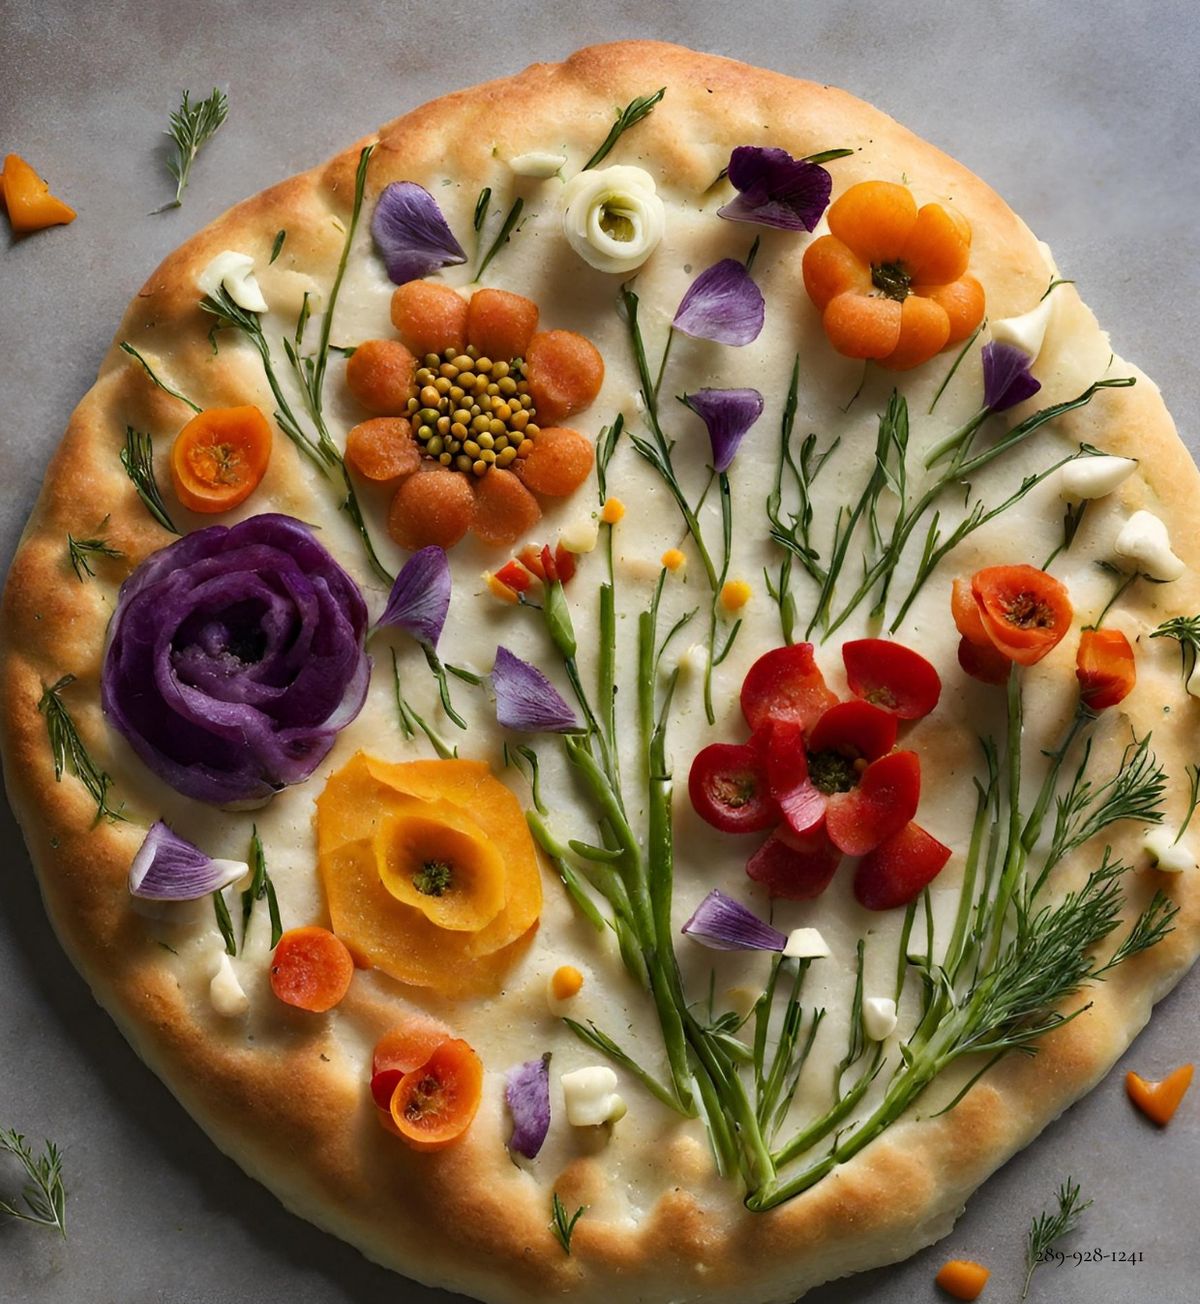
<point x="401" y="1050"/>
<point x="311" y="969"/>
<point x="672" y="559"/>
<point x="379" y="373"/>
<point x="565" y="372"/>
<point x="504" y="507"/>
<point x="1025" y="612"/>
<point x="962" y="1278"/>
<point x="430" y="317"/>
<point x="382" y="449"/>
<point x="1159" y="1100"/>
<point x="565" y="982"/>
<point x="501" y="324"/>
<point x="435" y="1104"/>
<point x="560" y="461"/>
<point x="612" y="511"/>
<point x="515" y="576"/>
<point x="735" y="594"/>
<point x="1104" y="667"/>
<point x="220" y="457"/>
<point x="31" y="206"/>
<point x="431" y="507"/>
<point x="498" y="589"/>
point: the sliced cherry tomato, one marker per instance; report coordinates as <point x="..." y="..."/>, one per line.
<point x="983" y="662"/>
<point x="854" y="729"/>
<point x="564" y="564"/>
<point x="1024" y="611"/>
<point x="785" y="684"/>
<point x="795" y="868"/>
<point x="897" y="870"/>
<point x="516" y="576"/>
<point x="728" y="788"/>
<point x="436" y="1103"/>
<point x="891" y="676"/>
<point x="965" y="612"/>
<point x="882" y="804"/>
<point x="802" y="805"/>
<point x="1104" y="667"/>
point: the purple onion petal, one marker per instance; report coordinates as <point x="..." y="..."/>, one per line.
<point x="775" y="189"/>
<point x="723" y="305"/>
<point x="413" y="236"/>
<point x="728" y="414"/>
<point x="724" y="924"/>
<point x="1006" y="377"/>
<point x="526" y="700"/>
<point x="169" y="868"/>
<point x="527" y="1094"/>
<point x="420" y="597"/>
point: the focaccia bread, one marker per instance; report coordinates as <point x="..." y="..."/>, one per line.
<point x="768" y="1143"/>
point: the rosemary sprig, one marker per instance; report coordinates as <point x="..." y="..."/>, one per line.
<point x="954" y="366"/>
<point x="69" y="752"/>
<point x="43" y="1199"/>
<point x="277" y="247"/>
<point x="410" y="721"/>
<point x="482" y="204"/>
<point x="126" y="347"/>
<point x="514" y="215"/>
<point x="260" y="887"/>
<point x="1193" y="773"/>
<point x="224" y="922"/>
<point x="561" y="1225"/>
<point x="629" y="116"/>
<point x="137" y="457"/>
<point x="1048" y="1228"/>
<point x="81" y="551"/>
<point x="192" y="125"/>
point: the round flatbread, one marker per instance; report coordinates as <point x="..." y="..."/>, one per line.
<point x="286" y="1092"/>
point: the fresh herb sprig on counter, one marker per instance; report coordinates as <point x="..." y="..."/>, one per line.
<point x="191" y="127"/>
<point x="43" y="1199"/>
<point x="69" y="752"/>
<point x="80" y="552"/>
<point x="629" y="116"/>
<point x="1049" y="1227"/>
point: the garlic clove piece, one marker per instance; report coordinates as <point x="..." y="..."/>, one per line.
<point x="1144" y="540"/>
<point x="1094" y="477"/>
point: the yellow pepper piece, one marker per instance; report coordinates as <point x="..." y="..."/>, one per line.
<point x="498" y="589"/>
<point x="30" y="204"/>
<point x="962" y="1278"/>
<point x="673" y="559"/>
<point x="1159" y="1100"/>
<point x="612" y="511"/>
<point x="735" y="594"/>
<point x="565" y="982"/>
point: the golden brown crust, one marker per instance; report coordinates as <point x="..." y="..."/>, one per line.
<point x="308" y="1133"/>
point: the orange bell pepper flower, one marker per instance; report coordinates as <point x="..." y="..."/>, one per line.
<point x="891" y="280"/>
<point x="1104" y="667"/>
<point x="1024" y="611"/>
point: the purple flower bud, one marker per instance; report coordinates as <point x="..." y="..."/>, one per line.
<point x="728" y="414"/>
<point x="1006" y="377"/>
<point x="420" y="597"/>
<point x="724" y="924"/>
<point x="723" y="305"/>
<point x="526" y="700"/>
<point x="413" y="236"/>
<point x="775" y="189"/>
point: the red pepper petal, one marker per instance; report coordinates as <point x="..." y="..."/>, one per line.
<point x="883" y="803"/>
<point x="899" y="868"/>
<point x="564" y="564"/>
<point x="728" y="788"/>
<point x="983" y="663"/>
<point x="549" y="569"/>
<point x="785" y="684"/>
<point x="516" y="576"/>
<point x="855" y="729"/>
<point x="1104" y="667"/>
<point x="781" y="744"/>
<point x="530" y="557"/>
<point x="383" y="1086"/>
<point x="891" y="676"/>
<point x="795" y="868"/>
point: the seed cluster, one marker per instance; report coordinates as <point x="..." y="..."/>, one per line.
<point x="470" y="413"/>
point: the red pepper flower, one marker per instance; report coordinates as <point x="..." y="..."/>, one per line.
<point x="1104" y="667"/>
<point x="827" y="773"/>
<point x="1008" y="615"/>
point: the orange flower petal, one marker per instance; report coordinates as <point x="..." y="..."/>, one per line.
<point x="963" y="301"/>
<point x="430" y="317"/>
<point x="560" y="462"/>
<point x="859" y="326"/>
<point x="500" y="325"/>
<point x="504" y="508"/>
<point x="1159" y="1100"/>
<point x="431" y="507"/>
<point x="875" y="219"/>
<point x="831" y="268"/>
<point x="565" y="372"/>
<point x="924" y="329"/>
<point x="938" y="247"/>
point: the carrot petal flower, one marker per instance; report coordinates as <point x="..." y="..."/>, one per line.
<point x="723" y="924"/>
<point x="526" y="700"/>
<point x="728" y="414"/>
<point x="775" y="189"/>
<point x="420" y="597"/>
<point x="1006" y="377"/>
<point x="412" y="234"/>
<point x="723" y="305"/>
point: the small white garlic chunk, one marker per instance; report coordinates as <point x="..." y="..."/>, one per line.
<point x="236" y="273"/>
<point x="613" y="217"/>
<point x="806" y="944"/>
<point x="1165" y="853"/>
<point x="225" y="992"/>
<point x="580" y="535"/>
<point x="1144" y="540"/>
<point x="1094" y="477"/>
<point x="591" y="1097"/>
<point x="1028" y="331"/>
<point x="879" y="1017"/>
<point x="539" y="163"/>
<point x="694" y="661"/>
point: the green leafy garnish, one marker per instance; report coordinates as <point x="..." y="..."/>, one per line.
<point x="224" y="922"/>
<point x="126" y="347"/>
<point x="560" y="1224"/>
<point x="481" y="208"/>
<point x="1050" y="1227"/>
<point x="191" y="127"/>
<point x="277" y="247"/>
<point x="137" y="457"/>
<point x="1185" y="630"/>
<point x="43" y="1199"/>
<point x="68" y="750"/>
<point x="410" y="721"/>
<point x="627" y="117"/>
<point x="81" y="551"/>
<point x="260" y="887"/>
<point x="514" y="214"/>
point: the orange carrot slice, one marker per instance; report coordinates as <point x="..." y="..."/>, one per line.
<point x="962" y="1278"/>
<point x="963" y="301"/>
<point x="219" y="458"/>
<point x="504" y="508"/>
<point x="311" y="969"/>
<point x="924" y="330"/>
<point x="832" y="268"/>
<point x="862" y="327"/>
<point x="31" y="206"/>
<point x="875" y="219"/>
<point x="560" y="462"/>
<point x="1159" y="1100"/>
<point x="430" y="317"/>
<point x="565" y="372"/>
<point x="382" y="449"/>
<point x="500" y="325"/>
<point x="436" y="1103"/>
<point x="401" y="1050"/>
<point x="1025" y="612"/>
<point x="379" y="374"/>
<point x="432" y="507"/>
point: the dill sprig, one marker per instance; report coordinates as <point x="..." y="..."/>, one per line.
<point x="561" y="1225"/>
<point x="260" y="887"/>
<point x="69" y="751"/>
<point x="81" y="551"/>
<point x="1048" y="1228"/>
<point x="126" y="347"/>
<point x="137" y="457"/>
<point x="629" y="116"/>
<point x="1185" y="630"/>
<point x="1193" y="773"/>
<point x="192" y="125"/>
<point x="44" y="1196"/>
<point x="514" y="214"/>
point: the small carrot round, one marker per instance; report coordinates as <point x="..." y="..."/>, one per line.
<point x="565" y="372"/>
<point x="431" y="507"/>
<point x="436" y="1103"/>
<point x="1104" y="667"/>
<point x="560" y="462"/>
<point x="430" y="317"/>
<point x="874" y="218"/>
<point x="1025" y="612"/>
<point x="612" y="511"/>
<point x="219" y="458"/>
<point x="962" y="1278"/>
<point x="382" y="449"/>
<point x="938" y="246"/>
<point x="311" y="969"/>
<point x="963" y="302"/>
<point x="504" y="508"/>
<point x="379" y="373"/>
<point x="862" y="327"/>
<point x="401" y="1050"/>
<point x="1159" y="1100"/>
<point x="31" y="206"/>
<point x="924" y="330"/>
<point x="500" y="324"/>
<point x="831" y="268"/>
